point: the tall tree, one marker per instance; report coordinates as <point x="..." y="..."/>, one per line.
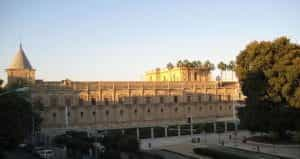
<point x="170" y="66"/>
<point x="269" y="73"/>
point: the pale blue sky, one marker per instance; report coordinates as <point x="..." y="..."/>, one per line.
<point x="121" y="39"/>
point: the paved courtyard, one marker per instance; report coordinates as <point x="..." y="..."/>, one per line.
<point x="184" y="145"/>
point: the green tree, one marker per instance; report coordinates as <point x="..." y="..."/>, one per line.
<point x="17" y="116"/>
<point x="269" y="73"/>
<point x="170" y="66"/>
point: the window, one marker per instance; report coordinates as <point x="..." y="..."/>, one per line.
<point x="148" y="100"/>
<point x="106" y="102"/>
<point x="121" y="100"/>
<point x="228" y="98"/>
<point x="189" y="99"/>
<point x="220" y="98"/>
<point x="68" y="101"/>
<point x="135" y="111"/>
<point x="162" y="110"/>
<point x="53" y="101"/>
<point x="220" y="107"/>
<point x="93" y="101"/>
<point x="200" y="109"/>
<point x="121" y="112"/>
<point x="107" y="112"/>
<point x="210" y="108"/>
<point x="54" y="115"/>
<point x="80" y="101"/>
<point x="195" y="76"/>
<point x="229" y="107"/>
<point x="176" y="109"/>
<point x="134" y="100"/>
<point x="149" y="111"/>
<point x="189" y="109"/>
<point x="69" y="114"/>
<point x="199" y="98"/>
<point x="161" y="99"/>
<point x="94" y="113"/>
<point x="209" y="98"/>
<point x="81" y="114"/>
<point x="175" y="99"/>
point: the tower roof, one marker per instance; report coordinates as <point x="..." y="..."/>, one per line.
<point x="20" y="60"/>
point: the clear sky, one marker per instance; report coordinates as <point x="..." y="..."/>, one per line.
<point x="121" y="39"/>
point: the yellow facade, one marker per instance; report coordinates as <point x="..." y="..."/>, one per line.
<point x="178" y="74"/>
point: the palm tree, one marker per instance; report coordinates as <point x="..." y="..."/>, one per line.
<point x="222" y="66"/>
<point x="179" y="63"/>
<point x="186" y="63"/>
<point x="231" y="67"/>
<point x="198" y="64"/>
<point x="170" y="66"/>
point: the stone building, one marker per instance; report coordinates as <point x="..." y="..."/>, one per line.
<point x="179" y="74"/>
<point x="129" y="104"/>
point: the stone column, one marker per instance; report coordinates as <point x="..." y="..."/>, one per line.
<point x="138" y="133"/>
<point x="123" y="132"/>
<point x="152" y="133"/>
<point x="235" y="126"/>
<point x="191" y="129"/>
<point x="178" y="130"/>
<point x="215" y="127"/>
<point x="225" y="126"/>
<point x="166" y="131"/>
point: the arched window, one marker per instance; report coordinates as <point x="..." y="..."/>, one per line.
<point x="161" y="100"/>
<point x="54" y="115"/>
<point x="175" y="99"/>
<point x="107" y="112"/>
<point x="189" y="99"/>
<point x="176" y="109"/>
<point x="135" y="111"/>
<point x="199" y="98"/>
<point x="134" y="100"/>
<point x="149" y="111"/>
<point x="162" y="110"/>
<point x="148" y="100"/>
<point x="68" y="101"/>
<point x="81" y="114"/>
<point x="53" y="101"/>
<point x="93" y="101"/>
<point x="94" y="113"/>
<point x="121" y="112"/>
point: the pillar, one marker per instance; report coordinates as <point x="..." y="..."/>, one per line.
<point x="166" y="131"/>
<point x="178" y="130"/>
<point x="152" y="133"/>
<point x="123" y="132"/>
<point x="191" y="129"/>
<point x="225" y="127"/>
<point x="215" y="127"/>
<point x="235" y="126"/>
<point x="138" y="133"/>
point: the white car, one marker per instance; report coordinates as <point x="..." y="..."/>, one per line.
<point x="46" y="154"/>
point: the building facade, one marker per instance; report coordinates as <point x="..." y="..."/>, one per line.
<point x="178" y="74"/>
<point x="128" y="104"/>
